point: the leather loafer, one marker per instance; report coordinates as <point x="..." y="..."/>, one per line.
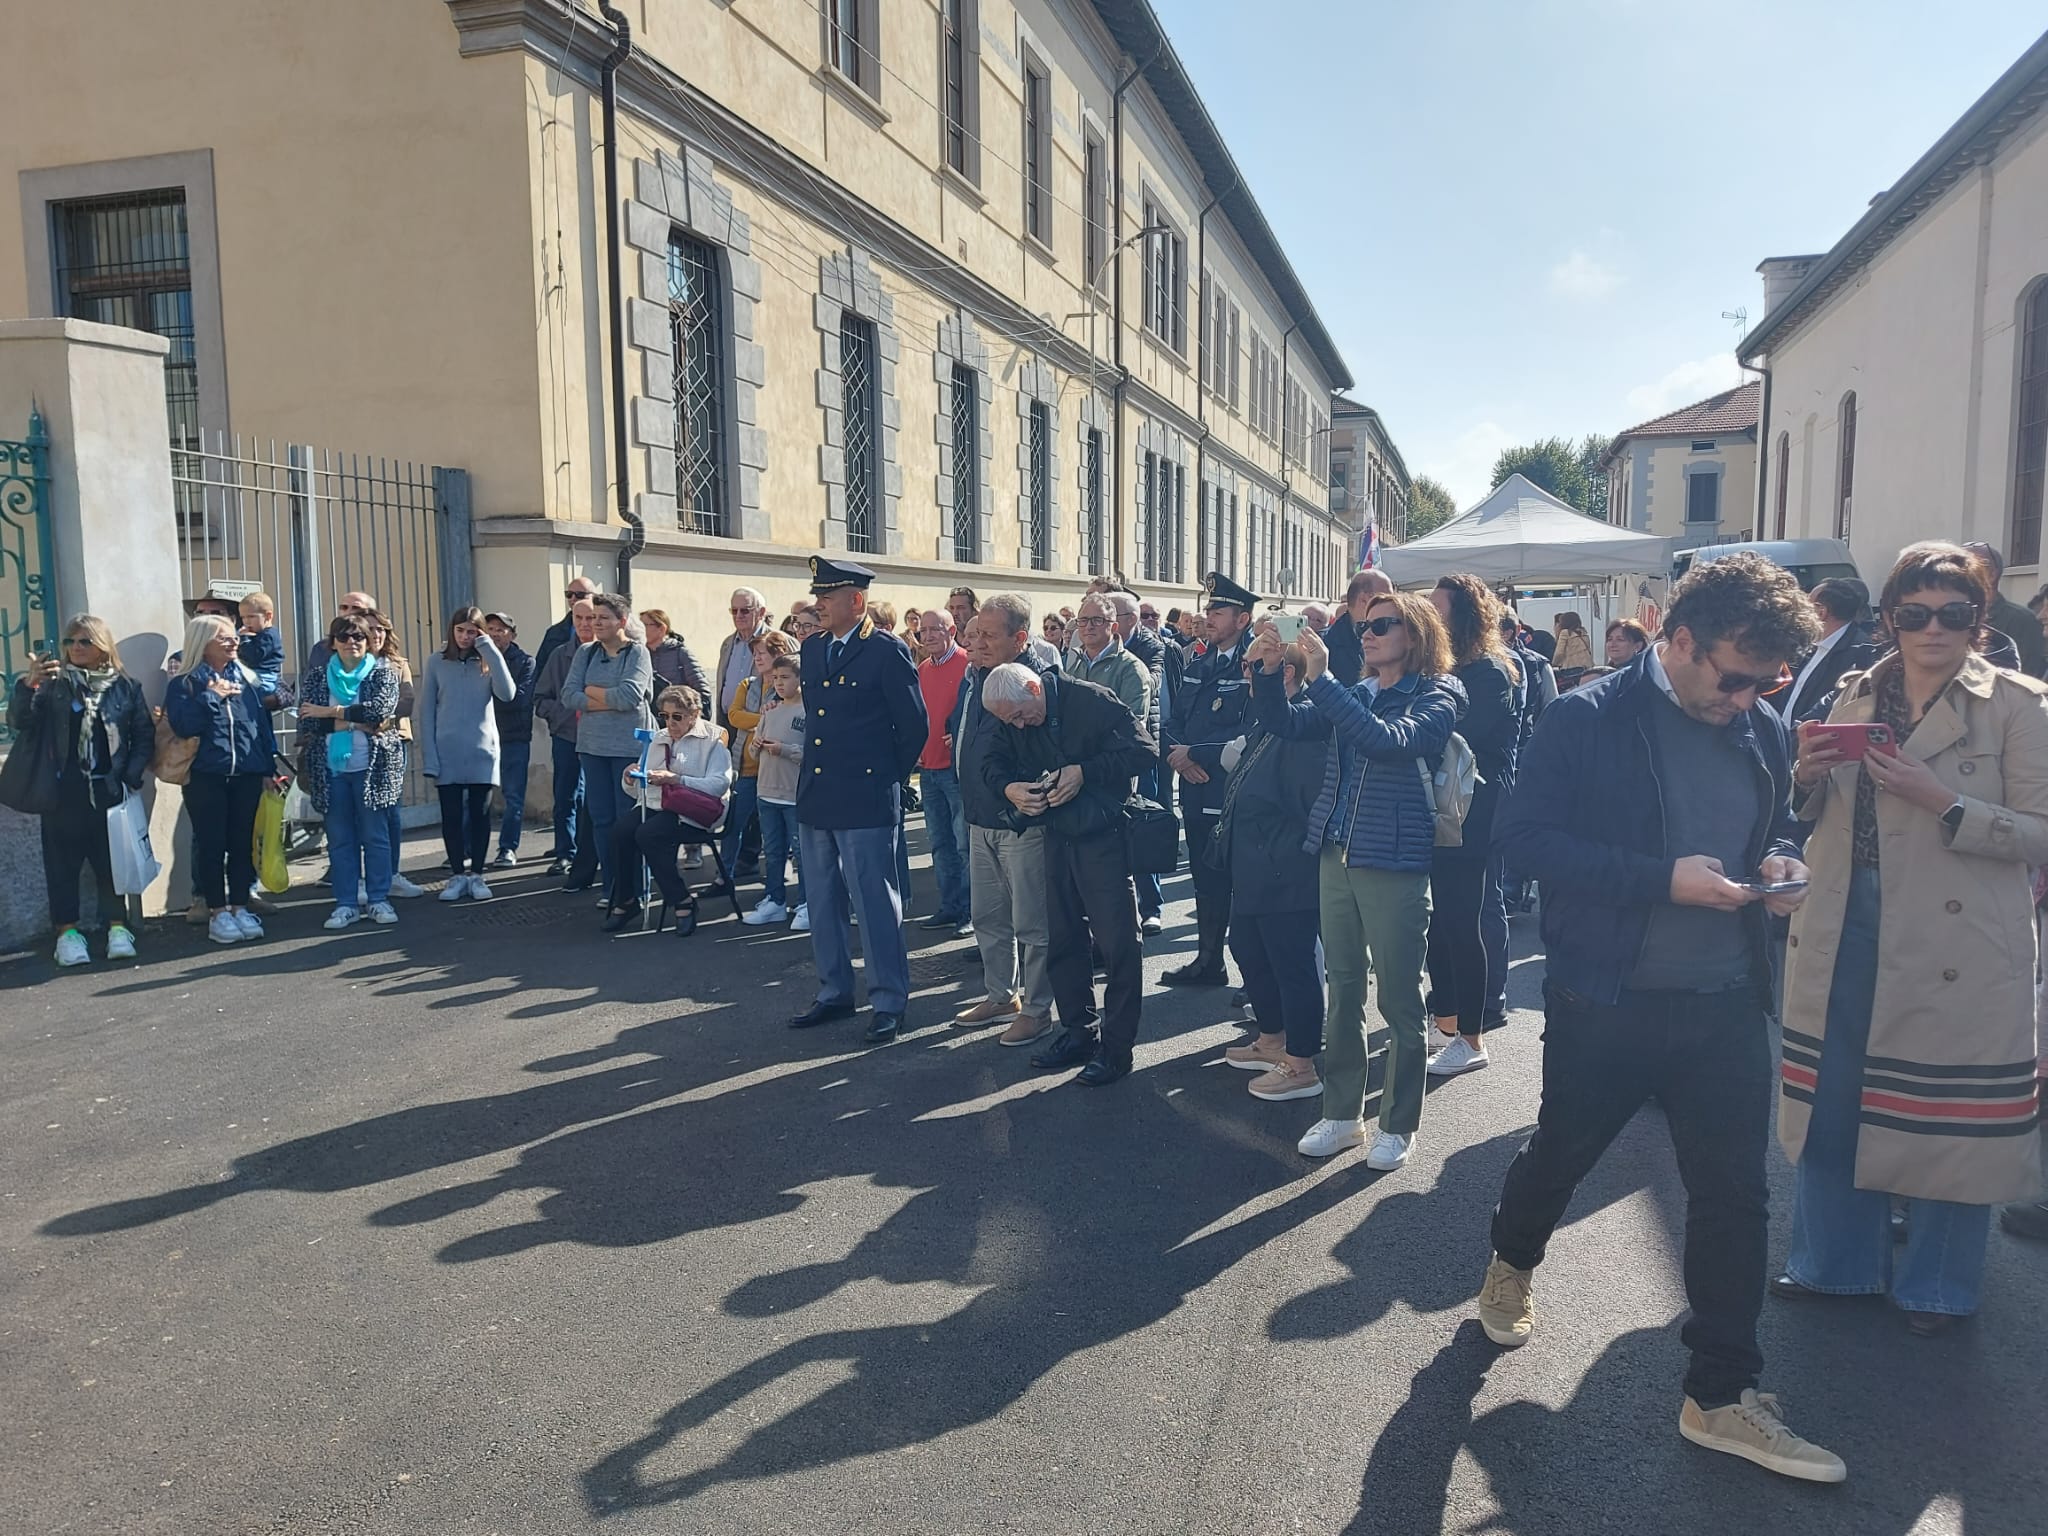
<point x="1787" y="1289"/>
<point x="1101" y="1072"/>
<point x="1928" y="1325"/>
<point x="1070" y="1048"/>
<point x="883" y="1029"/>
<point x="821" y="1013"/>
<point x="1194" y="976"/>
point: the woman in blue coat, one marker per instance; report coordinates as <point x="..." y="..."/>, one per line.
<point x="215" y="699"/>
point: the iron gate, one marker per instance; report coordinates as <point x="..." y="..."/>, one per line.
<point x="308" y="525"/>
<point x="28" y="571"/>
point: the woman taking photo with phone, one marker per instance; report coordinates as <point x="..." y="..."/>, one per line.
<point x="1909" y="1040"/>
<point x="215" y="700"/>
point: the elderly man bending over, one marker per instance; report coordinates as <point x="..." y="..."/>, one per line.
<point x="1067" y="753"/>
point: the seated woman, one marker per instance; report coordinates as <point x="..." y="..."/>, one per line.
<point x="685" y="751"/>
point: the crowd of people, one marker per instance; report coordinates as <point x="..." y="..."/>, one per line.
<point x="1777" y="783"/>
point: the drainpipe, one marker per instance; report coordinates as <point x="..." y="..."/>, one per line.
<point x="1286" y="474"/>
<point x="1202" y="345"/>
<point x="1116" y="423"/>
<point x="636" y="534"/>
<point x="1764" y="455"/>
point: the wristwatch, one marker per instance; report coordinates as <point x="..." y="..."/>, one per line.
<point x="1952" y="818"/>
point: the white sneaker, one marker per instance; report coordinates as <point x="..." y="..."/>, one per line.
<point x="1389" y="1151"/>
<point x="381" y="912"/>
<point x="456" y="888"/>
<point x="120" y="943"/>
<point x="400" y="886"/>
<point x="342" y="917"/>
<point x="801" y="923"/>
<point x="1755" y="1429"/>
<point x="1457" y="1058"/>
<point x="478" y="891"/>
<point x="1326" y="1138"/>
<point x="767" y="910"/>
<point x="247" y="922"/>
<point x="223" y="929"/>
<point x="71" y="948"/>
<point x="694" y="859"/>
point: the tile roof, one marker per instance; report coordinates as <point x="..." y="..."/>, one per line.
<point x="1730" y="411"/>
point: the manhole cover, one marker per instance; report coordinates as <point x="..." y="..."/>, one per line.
<point x="491" y="915"/>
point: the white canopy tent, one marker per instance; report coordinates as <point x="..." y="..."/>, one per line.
<point x="1522" y="533"/>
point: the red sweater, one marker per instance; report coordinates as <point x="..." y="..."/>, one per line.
<point x="939" y="682"/>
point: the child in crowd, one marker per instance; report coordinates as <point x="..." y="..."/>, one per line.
<point x="259" y="646"/>
<point x="780" y="736"/>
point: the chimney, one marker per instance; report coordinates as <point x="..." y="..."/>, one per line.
<point x="1781" y="275"/>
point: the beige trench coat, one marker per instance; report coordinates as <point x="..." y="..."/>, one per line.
<point x="1949" y="1096"/>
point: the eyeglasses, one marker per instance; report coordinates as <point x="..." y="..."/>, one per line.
<point x="1384" y="625"/>
<point x="670" y="714"/>
<point x="78" y="640"/>
<point x="1089" y="618"/>
<point x="744" y="609"/>
<point x="1763" y="685"/>
<point x="1911" y="618"/>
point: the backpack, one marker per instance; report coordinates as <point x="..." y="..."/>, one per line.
<point x="1450" y="789"/>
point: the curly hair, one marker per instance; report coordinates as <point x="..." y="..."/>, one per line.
<point x="1746" y="599"/>
<point x="1429" y="646"/>
<point x="1475" y="622"/>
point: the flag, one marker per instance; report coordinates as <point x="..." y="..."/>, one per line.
<point x="1369" y="548"/>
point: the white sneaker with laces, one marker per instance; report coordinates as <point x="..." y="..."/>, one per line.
<point x="801" y="922"/>
<point x="342" y="917"/>
<point x="456" y="888"/>
<point x="1457" y="1058"/>
<point x="382" y="912"/>
<point x="1389" y="1151"/>
<point x="1326" y="1138"/>
<point x="71" y="948"/>
<point x="120" y="943"/>
<point x="478" y="891"/>
<point x="400" y="886"/>
<point x="767" y="910"/>
<point x="247" y="922"/>
<point x="223" y="929"/>
<point x="1754" y="1428"/>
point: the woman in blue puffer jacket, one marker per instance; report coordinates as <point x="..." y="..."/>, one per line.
<point x="216" y="700"/>
<point x="1374" y="829"/>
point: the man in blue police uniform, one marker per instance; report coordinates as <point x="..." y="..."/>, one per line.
<point x="867" y="726"/>
<point x="1211" y="708"/>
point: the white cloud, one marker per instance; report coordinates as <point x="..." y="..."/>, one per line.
<point x="1684" y="384"/>
<point x="1466" y="466"/>
<point x="1584" y="276"/>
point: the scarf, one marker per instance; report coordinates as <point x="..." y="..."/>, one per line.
<point x="89" y="687"/>
<point x="342" y="688"/>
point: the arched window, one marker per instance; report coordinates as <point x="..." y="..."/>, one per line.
<point x="2030" y="449"/>
<point x="1782" y="473"/>
<point x="1845" y="481"/>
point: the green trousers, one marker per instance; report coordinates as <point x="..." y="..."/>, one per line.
<point x="1377" y="918"/>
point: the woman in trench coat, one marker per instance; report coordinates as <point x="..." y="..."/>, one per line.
<point x="1909" y="1041"/>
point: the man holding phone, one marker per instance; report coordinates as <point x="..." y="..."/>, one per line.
<point x="1652" y="805"/>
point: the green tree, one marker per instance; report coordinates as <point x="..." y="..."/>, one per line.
<point x="1592" y="449"/>
<point x="1553" y="463"/>
<point x="1430" y="506"/>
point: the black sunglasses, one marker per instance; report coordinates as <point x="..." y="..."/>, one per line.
<point x="672" y="714"/>
<point x="1911" y="618"/>
<point x="1746" y="682"/>
<point x="77" y="640"/>
<point x="1384" y="625"/>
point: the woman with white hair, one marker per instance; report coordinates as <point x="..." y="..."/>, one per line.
<point x="215" y="700"/>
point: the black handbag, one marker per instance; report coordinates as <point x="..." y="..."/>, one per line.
<point x="1151" y="837"/>
<point x="34" y="764"/>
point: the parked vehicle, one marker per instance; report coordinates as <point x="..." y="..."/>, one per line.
<point x="1812" y="561"/>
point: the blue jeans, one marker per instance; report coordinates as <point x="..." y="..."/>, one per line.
<point x="945" y="828"/>
<point x="746" y="798"/>
<point x="358" y="841"/>
<point x="780" y="840"/>
<point x="607" y="799"/>
<point x="568" y="795"/>
<point x="1841" y="1235"/>
<point x="856" y="867"/>
<point x="1150" y="897"/>
<point x="514" y="757"/>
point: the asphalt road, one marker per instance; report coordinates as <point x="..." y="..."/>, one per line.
<point x="488" y="1223"/>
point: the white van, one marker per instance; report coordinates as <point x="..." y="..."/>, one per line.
<point x="1812" y="561"/>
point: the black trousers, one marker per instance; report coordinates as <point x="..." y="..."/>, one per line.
<point x="1276" y="952"/>
<point x="1212" y="892"/>
<point x="1468" y="942"/>
<point x="651" y="844"/>
<point x="223" y="811"/>
<point x="466" y="826"/>
<point x="1706" y="1059"/>
<point x="75" y="835"/>
<point x="1088" y="895"/>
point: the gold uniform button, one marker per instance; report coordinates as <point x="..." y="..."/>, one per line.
<point x="817" y="770"/>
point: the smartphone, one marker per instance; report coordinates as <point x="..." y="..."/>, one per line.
<point x="1855" y="741"/>
<point x="1772" y="887"/>
<point x="1286" y="625"/>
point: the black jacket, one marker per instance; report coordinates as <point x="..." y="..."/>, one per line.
<point x="1492" y="728"/>
<point x="1858" y="649"/>
<point x="123" y="706"/>
<point x="1151" y="653"/>
<point x="1273" y="791"/>
<point x="1347" y="650"/>
<point x="974" y="730"/>
<point x="558" y="634"/>
<point x="675" y="664"/>
<point x="1085" y="724"/>
<point x="2024" y="630"/>
<point x="515" y="716"/>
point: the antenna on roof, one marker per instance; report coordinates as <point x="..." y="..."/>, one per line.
<point x="1739" y="317"/>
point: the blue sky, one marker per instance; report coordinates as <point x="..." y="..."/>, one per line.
<point x="1526" y="217"/>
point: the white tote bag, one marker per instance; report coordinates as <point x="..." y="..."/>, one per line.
<point x="135" y="862"/>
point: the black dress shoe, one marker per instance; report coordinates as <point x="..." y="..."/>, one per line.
<point x="622" y="916"/>
<point x="937" y="920"/>
<point x="1786" y="1288"/>
<point x="686" y="918"/>
<point x="579" y="885"/>
<point x="818" y="1013"/>
<point x="1928" y="1325"/>
<point x="1070" y="1048"/>
<point x="1102" y="1071"/>
<point x="1194" y="974"/>
<point x="883" y="1028"/>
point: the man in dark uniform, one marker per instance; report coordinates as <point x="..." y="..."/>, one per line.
<point x="1212" y="708"/>
<point x="867" y="727"/>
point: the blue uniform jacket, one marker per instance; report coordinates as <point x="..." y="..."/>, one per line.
<point x="1211" y="707"/>
<point x="867" y="726"/>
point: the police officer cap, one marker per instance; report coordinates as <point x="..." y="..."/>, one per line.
<point x="1219" y="591"/>
<point x="830" y="575"/>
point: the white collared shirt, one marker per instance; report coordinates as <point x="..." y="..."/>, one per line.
<point x="1819" y="655"/>
<point x="1655" y="667"/>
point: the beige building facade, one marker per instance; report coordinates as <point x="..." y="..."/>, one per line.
<point x="969" y="289"/>
<point x="1368" y="478"/>
<point x="1688" y="475"/>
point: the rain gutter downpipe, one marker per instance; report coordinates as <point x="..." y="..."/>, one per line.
<point x="1116" y="424"/>
<point x="636" y="533"/>
<point x="1202" y="350"/>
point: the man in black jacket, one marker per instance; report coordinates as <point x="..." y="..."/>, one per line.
<point x="515" y="734"/>
<point x="563" y="631"/>
<point x="1066" y="755"/>
<point x="2010" y="619"/>
<point x="1151" y="653"/>
<point x="1849" y="642"/>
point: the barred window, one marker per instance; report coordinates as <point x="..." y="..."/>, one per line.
<point x="1091" y="502"/>
<point x="966" y="466"/>
<point x="696" y="305"/>
<point x="863" y="472"/>
<point x="1845" y="482"/>
<point x="1040" y="532"/>
<point x="2030" y="460"/>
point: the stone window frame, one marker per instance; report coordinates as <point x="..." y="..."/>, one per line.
<point x="959" y="344"/>
<point x="681" y="193"/>
<point x="1219" y="490"/>
<point x="1094" y="417"/>
<point x="1038" y="384"/>
<point x="848" y="284"/>
<point x="1155" y="438"/>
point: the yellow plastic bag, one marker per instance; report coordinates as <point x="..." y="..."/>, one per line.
<point x="271" y="869"/>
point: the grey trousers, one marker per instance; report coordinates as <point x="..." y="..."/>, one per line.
<point x="853" y="870"/>
<point x="1006" y="880"/>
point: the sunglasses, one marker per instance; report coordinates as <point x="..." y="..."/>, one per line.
<point x="354" y="637"/>
<point x="1747" y="682"/>
<point x="1384" y="625"/>
<point x="77" y="640"/>
<point x="1911" y="618"/>
<point x="670" y="714"/>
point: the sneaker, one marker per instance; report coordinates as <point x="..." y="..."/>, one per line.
<point x="506" y="859"/>
<point x="1506" y="1310"/>
<point x="120" y="943"/>
<point x="1457" y="1058"/>
<point x="555" y="867"/>
<point x="1755" y="1429"/>
<point x="767" y="910"/>
<point x="262" y="905"/>
<point x="247" y="922"/>
<point x="362" y="894"/>
<point x="1025" y="1030"/>
<point x="456" y="888"/>
<point x="1286" y="1082"/>
<point x="1326" y="1138"/>
<point x="1151" y="924"/>
<point x="342" y="917"/>
<point x="400" y="886"/>
<point x="1389" y="1151"/>
<point x="801" y="923"/>
<point x="989" y="1011"/>
<point x="1255" y="1055"/>
<point x="196" y="914"/>
<point x="382" y="912"/>
<point x="478" y="891"/>
<point x="694" y="859"/>
<point x="223" y="929"/>
<point x="71" y="948"/>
